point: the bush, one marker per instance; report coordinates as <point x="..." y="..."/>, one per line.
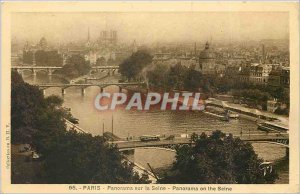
<point x="217" y="159"/>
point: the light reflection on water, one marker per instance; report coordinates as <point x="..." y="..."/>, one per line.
<point x="137" y="123"/>
<point x="142" y="156"/>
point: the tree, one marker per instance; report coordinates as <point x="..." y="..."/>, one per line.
<point x="158" y="77"/>
<point x="176" y="76"/>
<point x="31" y="111"/>
<point x="26" y="103"/>
<point x="86" y="160"/>
<point x="193" y="80"/>
<point x="217" y="159"/>
<point x="76" y="66"/>
<point x="133" y="66"/>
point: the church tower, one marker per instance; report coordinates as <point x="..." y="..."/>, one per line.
<point x="88" y="43"/>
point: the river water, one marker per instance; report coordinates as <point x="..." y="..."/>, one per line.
<point x="134" y="123"/>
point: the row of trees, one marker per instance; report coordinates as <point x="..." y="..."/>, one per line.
<point x="227" y="84"/>
<point x="67" y="156"/>
<point x="163" y="77"/>
<point x="139" y="64"/>
<point x="43" y="58"/>
<point x="259" y="95"/>
<point x="177" y="77"/>
<point x="253" y="97"/>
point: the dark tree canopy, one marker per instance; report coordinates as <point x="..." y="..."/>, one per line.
<point x="193" y="80"/>
<point x="82" y="158"/>
<point x="26" y="103"/>
<point x="76" y="66"/>
<point x="31" y="111"/>
<point x="133" y="66"/>
<point x="217" y="159"/>
<point x="177" y="77"/>
<point x="158" y="77"/>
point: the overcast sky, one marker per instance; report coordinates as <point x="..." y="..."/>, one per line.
<point x="152" y="27"/>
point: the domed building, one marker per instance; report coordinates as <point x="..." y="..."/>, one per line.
<point x="207" y="53"/>
<point x="207" y="60"/>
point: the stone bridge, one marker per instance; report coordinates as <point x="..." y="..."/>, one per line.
<point x="83" y="86"/>
<point x="35" y="69"/>
<point x="51" y="69"/>
<point x="282" y="140"/>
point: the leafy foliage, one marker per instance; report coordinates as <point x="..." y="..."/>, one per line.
<point x="82" y="158"/>
<point x="76" y="66"/>
<point x="158" y="77"/>
<point x="217" y="159"/>
<point x="182" y="78"/>
<point x="27" y="101"/>
<point x="133" y="66"/>
<point x="226" y="84"/>
<point x="254" y="96"/>
<point x="31" y="111"/>
<point x="176" y="77"/>
<point x="67" y="156"/>
<point x="193" y="80"/>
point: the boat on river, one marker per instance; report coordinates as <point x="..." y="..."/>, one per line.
<point x="222" y="117"/>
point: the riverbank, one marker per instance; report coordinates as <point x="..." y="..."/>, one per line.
<point x="248" y="113"/>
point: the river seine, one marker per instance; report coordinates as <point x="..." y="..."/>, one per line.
<point x="134" y="123"/>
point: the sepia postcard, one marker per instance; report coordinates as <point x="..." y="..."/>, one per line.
<point x="149" y="97"/>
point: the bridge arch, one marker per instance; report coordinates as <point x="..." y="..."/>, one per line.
<point x="93" y="71"/>
<point x="41" y="70"/>
<point x="24" y="70"/>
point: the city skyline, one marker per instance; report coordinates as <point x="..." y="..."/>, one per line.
<point x="161" y="27"/>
